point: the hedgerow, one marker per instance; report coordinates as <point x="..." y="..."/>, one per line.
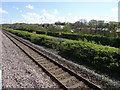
<point x="41" y="32"/>
<point x="97" y="55"/>
<point x="99" y="39"/>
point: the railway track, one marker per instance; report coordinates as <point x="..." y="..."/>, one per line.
<point x="65" y="78"/>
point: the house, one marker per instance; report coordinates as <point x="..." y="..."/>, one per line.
<point x="118" y="31"/>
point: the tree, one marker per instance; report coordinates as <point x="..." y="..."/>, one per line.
<point x="59" y="23"/>
<point x="112" y="27"/>
<point x="100" y="24"/>
<point x="67" y="28"/>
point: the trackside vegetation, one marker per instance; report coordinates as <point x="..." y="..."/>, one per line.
<point x="99" y="39"/>
<point x="85" y="51"/>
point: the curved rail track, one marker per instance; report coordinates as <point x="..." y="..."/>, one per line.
<point x="65" y="78"/>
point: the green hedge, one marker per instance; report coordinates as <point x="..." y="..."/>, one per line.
<point x="99" y="39"/>
<point x="97" y="55"/>
<point x="100" y="56"/>
<point x="41" y="32"/>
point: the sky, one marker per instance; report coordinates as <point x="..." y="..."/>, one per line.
<point x="50" y="12"/>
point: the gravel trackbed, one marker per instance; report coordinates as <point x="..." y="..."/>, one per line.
<point x="18" y="71"/>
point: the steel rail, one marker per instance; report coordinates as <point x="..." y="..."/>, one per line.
<point x="72" y="73"/>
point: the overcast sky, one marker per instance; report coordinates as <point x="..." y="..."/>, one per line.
<point x="50" y="12"/>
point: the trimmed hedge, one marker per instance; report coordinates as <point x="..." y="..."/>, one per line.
<point x="97" y="55"/>
<point x="41" y="32"/>
<point x="99" y="39"/>
<point x="100" y="56"/>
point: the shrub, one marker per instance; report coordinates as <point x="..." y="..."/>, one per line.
<point x="41" y="32"/>
<point x="97" y="55"/>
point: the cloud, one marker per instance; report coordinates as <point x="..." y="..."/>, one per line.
<point x="37" y="18"/>
<point x="3" y="11"/>
<point x="20" y="11"/>
<point x="56" y="11"/>
<point x="106" y="19"/>
<point x="114" y="9"/>
<point x="44" y="10"/>
<point x="32" y="17"/>
<point x="30" y="6"/>
<point x="69" y="14"/>
<point x="112" y="18"/>
<point x="16" y="8"/>
<point x="3" y="20"/>
<point x="46" y="17"/>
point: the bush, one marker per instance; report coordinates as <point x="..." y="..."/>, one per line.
<point x="99" y="39"/>
<point x="41" y="32"/>
<point x="100" y="56"/>
<point x="97" y="55"/>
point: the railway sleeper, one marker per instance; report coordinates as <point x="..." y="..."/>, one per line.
<point x="53" y="68"/>
<point x="64" y="77"/>
<point x="78" y="85"/>
<point x="44" y="62"/>
<point x="70" y="81"/>
<point x="47" y="65"/>
<point x="67" y="79"/>
<point x="58" y="72"/>
<point x="39" y="59"/>
<point x="62" y="74"/>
